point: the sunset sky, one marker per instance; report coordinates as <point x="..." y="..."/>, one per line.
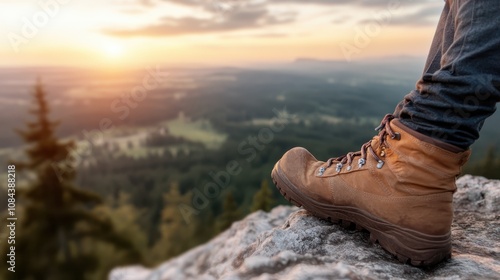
<point x="229" y="32"/>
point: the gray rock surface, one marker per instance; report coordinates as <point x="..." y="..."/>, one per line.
<point x="289" y="243"/>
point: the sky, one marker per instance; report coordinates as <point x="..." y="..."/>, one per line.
<point x="120" y="33"/>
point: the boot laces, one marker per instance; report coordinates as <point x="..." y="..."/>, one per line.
<point x="384" y="130"/>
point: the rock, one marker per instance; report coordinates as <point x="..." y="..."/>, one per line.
<point x="289" y="243"/>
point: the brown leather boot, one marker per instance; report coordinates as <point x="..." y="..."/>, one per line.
<point x="399" y="187"/>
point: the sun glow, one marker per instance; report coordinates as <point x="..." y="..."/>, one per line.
<point x="113" y="51"/>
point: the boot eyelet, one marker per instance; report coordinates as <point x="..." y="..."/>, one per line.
<point x="361" y="162"/>
<point x="380" y="164"/>
<point x="349" y="168"/>
<point x="397" y="136"/>
<point x="339" y="167"/>
<point x="321" y="171"/>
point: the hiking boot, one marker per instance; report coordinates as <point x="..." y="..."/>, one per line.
<point x="399" y="187"/>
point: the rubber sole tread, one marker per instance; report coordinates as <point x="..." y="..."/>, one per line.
<point x="374" y="238"/>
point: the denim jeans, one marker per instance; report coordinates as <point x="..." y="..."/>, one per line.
<point x="460" y="85"/>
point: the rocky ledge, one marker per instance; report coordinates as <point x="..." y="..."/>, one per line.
<point x="289" y="243"/>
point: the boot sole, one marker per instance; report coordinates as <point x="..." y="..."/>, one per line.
<point x="409" y="246"/>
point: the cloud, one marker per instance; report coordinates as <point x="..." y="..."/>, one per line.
<point x="208" y="5"/>
<point x="251" y="16"/>
<point x="147" y="3"/>
<point x="220" y="16"/>
<point x="366" y="3"/>
<point x="258" y="35"/>
<point x="424" y="16"/>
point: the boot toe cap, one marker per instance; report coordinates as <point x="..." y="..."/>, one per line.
<point x="298" y="166"/>
<point x="295" y="159"/>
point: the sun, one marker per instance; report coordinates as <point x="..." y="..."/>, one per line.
<point x="113" y="51"/>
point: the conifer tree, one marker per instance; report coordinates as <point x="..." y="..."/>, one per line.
<point x="175" y="234"/>
<point x="229" y="214"/>
<point x="124" y="217"/>
<point x="263" y="199"/>
<point x="56" y="215"/>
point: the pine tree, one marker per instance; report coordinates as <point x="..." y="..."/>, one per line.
<point x="57" y="216"/>
<point x="125" y="219"/>
<point x="175" y="234"/>
<point x="263" y="199"/>
<point x="229" y="214"/>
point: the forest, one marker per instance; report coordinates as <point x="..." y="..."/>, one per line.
<point x="96" y="191"/>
